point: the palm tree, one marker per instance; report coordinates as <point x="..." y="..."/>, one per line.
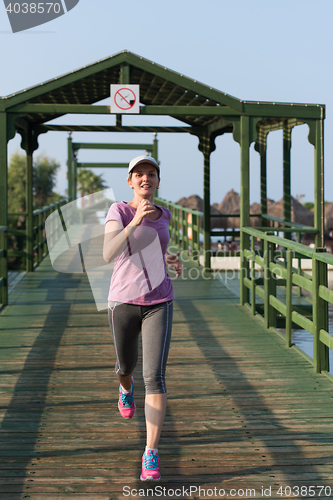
<point x="89" y="183"/>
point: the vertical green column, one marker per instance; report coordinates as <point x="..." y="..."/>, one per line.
<point x="69" y="164"/>
<point x="269" y="284"/>
<point x="29" y="203"/>
<point x="286" y="175"/>
<point x="263" y="183"/>
<point x="320" y="314"/>
<point x="74" y="186"/>
<point x="124" y="73"/>
<point x="244" y="203"/>
<point x="155" y="155"/>
<point x="205" y="148"/>
<point x="3" y="207"/>
<point x="289" y="294"/>
<point x="155" y="147"/>
<point x="319" y="183"/>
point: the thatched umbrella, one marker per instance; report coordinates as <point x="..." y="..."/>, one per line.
<point x="329" y="216"/>
<point x="194" y="202"/>
<point x="255" y="208"/>
<point x="299" y="213"/>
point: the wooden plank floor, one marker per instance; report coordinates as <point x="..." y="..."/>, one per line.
<point x="244" y="413"/>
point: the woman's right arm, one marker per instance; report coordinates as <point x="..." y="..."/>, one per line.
<point x="115" y="236"/>
<point x="115" y="239"/>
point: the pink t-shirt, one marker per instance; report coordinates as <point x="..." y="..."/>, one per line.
<point x="140" y="276"/>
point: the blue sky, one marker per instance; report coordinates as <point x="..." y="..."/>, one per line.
<point x="258" y="50"/>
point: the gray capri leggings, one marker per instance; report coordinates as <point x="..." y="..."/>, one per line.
<point x="155" y="323"/>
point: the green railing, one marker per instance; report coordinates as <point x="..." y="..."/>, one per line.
<point x="38" y="245"/>
<point x="273" y="267"/>
<point x="185" y="228"/>
<point x="3" y="265"/>
<point x="40" y="249"/>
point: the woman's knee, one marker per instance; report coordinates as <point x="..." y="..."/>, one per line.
<point x="154" y="384"/>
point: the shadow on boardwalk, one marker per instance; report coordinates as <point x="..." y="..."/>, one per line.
<point x="243" y="411"/>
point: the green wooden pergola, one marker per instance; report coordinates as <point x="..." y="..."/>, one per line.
<point x="201" y="110"/>
<point x="73" y="164"/>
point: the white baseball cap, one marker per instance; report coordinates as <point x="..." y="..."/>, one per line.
<point x="143" y="159"/>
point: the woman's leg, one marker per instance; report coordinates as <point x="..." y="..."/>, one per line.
<point x="155" y="406"/>
<point x="125" y="325"/>
<point x="126" y="381"/>
<point x="156" y="334"/>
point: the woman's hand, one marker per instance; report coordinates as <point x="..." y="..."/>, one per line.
<point x="174" y="263"/>
<point x="144" y="208"/>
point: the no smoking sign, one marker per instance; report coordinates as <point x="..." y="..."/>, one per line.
<point x="125" y="99"/>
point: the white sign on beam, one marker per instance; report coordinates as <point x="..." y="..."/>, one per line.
<point x="125" y="99"/>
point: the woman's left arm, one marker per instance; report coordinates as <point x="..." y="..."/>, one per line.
<point x="175" y="263"/>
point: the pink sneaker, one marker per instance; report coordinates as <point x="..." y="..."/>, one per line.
<point x="126" y="403"/>
<point x="150" y="466"/>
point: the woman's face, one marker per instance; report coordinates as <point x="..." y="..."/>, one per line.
<point x="144" y="179"/>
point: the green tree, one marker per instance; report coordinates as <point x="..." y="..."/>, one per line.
<point x="44" y="179"/>
<point x="44" y="176"/>
<point x="89" y="183"/>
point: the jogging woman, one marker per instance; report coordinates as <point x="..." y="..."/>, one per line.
<point x="141" y="299"/>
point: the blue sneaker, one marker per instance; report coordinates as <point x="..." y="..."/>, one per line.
<point x="150" y="467"/>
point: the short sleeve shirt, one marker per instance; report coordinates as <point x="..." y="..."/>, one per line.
<point x="140" y="276"/>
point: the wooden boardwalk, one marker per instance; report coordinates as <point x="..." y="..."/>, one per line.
<point x="244" y="413"/>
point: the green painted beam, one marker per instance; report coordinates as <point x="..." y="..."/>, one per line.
<point x="95" y="145"/>
<point x="111" y="128"/>
<point x="258" y="110"/>
<point x="102" y="165"/>
<point x="105" y="110"/>
<point x="283" y="110"/>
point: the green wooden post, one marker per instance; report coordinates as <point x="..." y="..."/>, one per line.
<point x="299" y="267"/>
<point x="176" y="225"/>
<point x="289" y="289"/>
<point x="155" y="147"/>
<point x="124" y="74"/>
<point x="319" y="183"/>
<point x="320" y="314"/>
<point x="155" y="154"/>
<point x="3" y="208"/>
<point x="74" y="186"/>
<point x="40" y="237"/>
<point x="263" y="183"/>
<point x="69" y="164"/>
<point x="195" y="238"/>
<point x="269" y="284"/>
<point x="205" y="148"/>
<point x="184" y="231"/>
<point x="244" y="203"/>
<point x="253" y="277"/>
<point x="286" y="175"/>
<point x="29" y="203"/>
